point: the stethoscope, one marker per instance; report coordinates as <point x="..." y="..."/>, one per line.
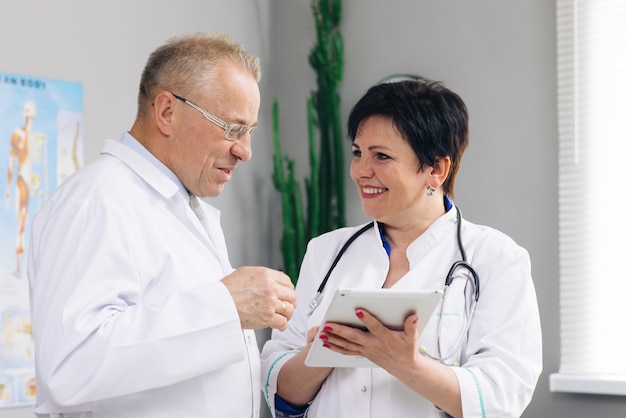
<point x="456" y="266"/>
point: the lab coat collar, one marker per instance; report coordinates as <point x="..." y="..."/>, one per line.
<point x="162" y="183"/>
<point x="437" y="231"/>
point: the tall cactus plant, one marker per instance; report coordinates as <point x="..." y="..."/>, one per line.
<point x="325" y="189"/>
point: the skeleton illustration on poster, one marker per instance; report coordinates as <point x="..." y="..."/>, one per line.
<point x="40" y="146"/>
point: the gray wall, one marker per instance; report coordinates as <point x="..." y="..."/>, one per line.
<point x="500" y="56"/>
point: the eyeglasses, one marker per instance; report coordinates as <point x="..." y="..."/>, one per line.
<point x="232" y="132"/>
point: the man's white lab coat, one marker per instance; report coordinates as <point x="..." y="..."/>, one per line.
<point x="130" y="318"/>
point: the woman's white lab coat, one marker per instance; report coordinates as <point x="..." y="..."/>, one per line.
<point x="500" y="359"/>
<point x="128" y="313"/>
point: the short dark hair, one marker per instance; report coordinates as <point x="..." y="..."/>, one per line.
<point x="431" y="118"/>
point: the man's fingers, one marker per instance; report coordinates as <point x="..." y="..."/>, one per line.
<point x="285" y="309"/>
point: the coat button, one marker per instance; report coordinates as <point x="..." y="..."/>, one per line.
<point x="363" y="389"/>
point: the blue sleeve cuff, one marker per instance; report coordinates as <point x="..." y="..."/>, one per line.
<point x="283" y="409"/>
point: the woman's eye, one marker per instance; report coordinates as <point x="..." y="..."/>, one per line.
<point x="380" y="156"/>
<point x="356" y="153"/>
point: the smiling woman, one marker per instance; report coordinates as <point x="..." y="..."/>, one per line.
<point x="408" y="138"/>
<point x="387" y="171"/>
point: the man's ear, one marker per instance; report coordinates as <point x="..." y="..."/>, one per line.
<point x="163" y="112"/>
<point x="439" y="172"/>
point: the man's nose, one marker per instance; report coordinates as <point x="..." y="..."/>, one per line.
<point x="242" y="148"/>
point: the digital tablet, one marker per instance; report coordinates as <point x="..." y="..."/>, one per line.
<point x="389" y="306"/>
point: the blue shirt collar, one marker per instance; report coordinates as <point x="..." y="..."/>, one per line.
<point x="447" y="203"/>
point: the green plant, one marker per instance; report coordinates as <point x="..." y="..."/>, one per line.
<point x="325" y="189"/>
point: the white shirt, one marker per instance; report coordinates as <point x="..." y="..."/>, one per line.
<point x="129" y="315"/>
<point x="500" y="359"/>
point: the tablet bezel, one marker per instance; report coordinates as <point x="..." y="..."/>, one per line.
<point x="390" y="306"/>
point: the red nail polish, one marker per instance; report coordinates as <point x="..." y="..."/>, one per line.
<point x="323" y="337"/>
<point x="359" y="314"/>
<point x="328" y="329"/>
<point x="325" y="345"/>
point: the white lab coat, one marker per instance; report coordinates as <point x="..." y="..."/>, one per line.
<point x="130" y="318"/>
<point x="500" y="360"/>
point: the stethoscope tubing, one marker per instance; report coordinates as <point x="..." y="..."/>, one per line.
<point x="462" y="263"/>
<point x="318" y="295"/>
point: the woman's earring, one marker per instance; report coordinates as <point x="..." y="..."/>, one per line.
<point x="430" y="190"/>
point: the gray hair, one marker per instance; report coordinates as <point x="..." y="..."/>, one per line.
<point x="184" y="62"/>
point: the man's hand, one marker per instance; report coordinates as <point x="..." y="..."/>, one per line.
<point x="264" y="297"/>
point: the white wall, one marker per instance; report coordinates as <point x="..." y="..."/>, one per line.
<point x="500" y="56"/>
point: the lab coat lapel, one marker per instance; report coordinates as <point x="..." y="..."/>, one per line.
<point x="213" y="234"/>
<point x="213" y="237"/>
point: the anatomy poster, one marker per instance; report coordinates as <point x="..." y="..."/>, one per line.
<point x="40" y="146"/>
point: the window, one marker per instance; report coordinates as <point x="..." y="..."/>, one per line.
<point x="591" y="47"/>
